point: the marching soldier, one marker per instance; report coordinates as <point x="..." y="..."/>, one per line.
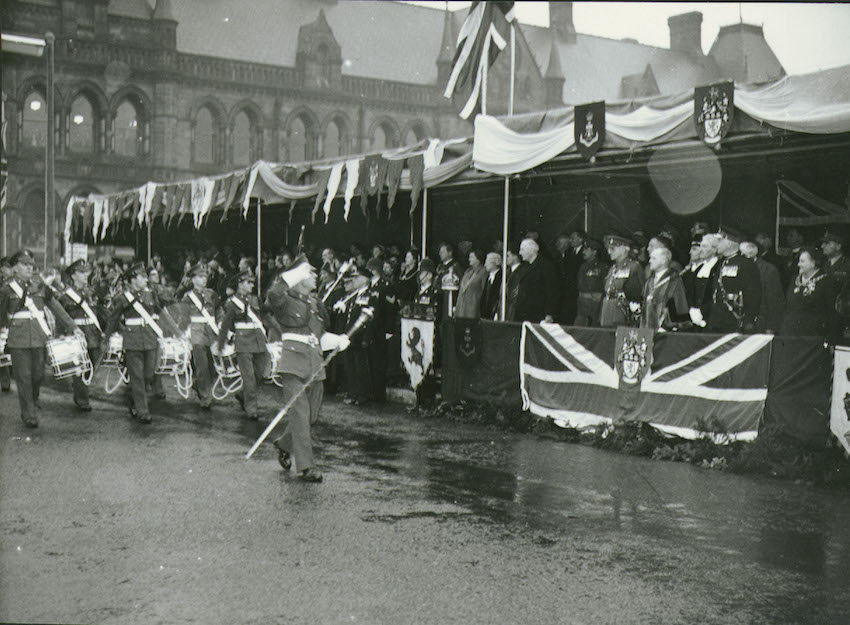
<point x="735" y="288"/>
<point x="23" y="302"/>
<point x="139" y="309"/>
<point x="623" y="285"/>
<point x="6" y="274"/>
<point x="590" y="284"/>
<point x="203" y="331"/>
<point x="78" y="302"/>
<point x="242" y="317"/>
<point x="302" y="320"/>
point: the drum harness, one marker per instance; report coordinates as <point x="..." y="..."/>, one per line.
<point x="79" y="301"/>
<point x="37" y="314"/>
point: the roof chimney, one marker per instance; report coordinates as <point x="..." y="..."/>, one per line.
<point x="561" y="21"/>
<point x="686" y="32"/>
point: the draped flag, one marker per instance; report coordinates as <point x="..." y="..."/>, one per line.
<point x="483" y="35"/>
<point x="839" y="421"/>
<point x="687" y="385"/>
<point x="417" y="348"/>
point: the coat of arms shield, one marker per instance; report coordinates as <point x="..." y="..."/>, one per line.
<point x="589" y="123"/>
<point x="714" y="107"/>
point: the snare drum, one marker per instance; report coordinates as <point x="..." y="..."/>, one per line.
<point x="68" y="357"/>
<point x="174" y="355"/>
<point x="5" y="359"/>
<point x="228" y="376"/>
<point x="114" y="350"/>
<point x="275" y="354"/>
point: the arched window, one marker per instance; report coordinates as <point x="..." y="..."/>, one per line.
<point x="31" y="233"/>
<point x="81" y="125"/>
<point x="204" y="136"/>
<point x="333" y="141"/>
<point x="382" y="138"/>
<point x="34" y="121"/>
<point x="242" y="142"/>
<point x="128" y="135"/>
<point x="299" y="141"/>
<point x="323" y="59"/>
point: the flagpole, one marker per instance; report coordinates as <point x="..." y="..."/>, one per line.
<point x="424" y="221"/>
<point x="149" y="240"/>
<point x="505" y="212"/>
<point x="259" y="245"/>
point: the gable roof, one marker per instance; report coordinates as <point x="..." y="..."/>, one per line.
<point x="744" y="55"/>
<point x="373" y="35"/>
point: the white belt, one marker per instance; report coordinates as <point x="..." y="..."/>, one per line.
<point x="247" y="325"/>
<point x="197" y="319"/>
<point x="84" y="322"/>
<point x="138" y="321"/>
<point x="309" y="339"/>
<point x="22" y="314"/>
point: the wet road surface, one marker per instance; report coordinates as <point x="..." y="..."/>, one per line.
<point x="103" y="520"/>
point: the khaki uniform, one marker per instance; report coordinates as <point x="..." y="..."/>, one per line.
<point x="81" y="306"/>
<point x="623" y="286"/>
<point x="202" y="335"/>
<point x="735" y="295"/>
<point x="241" y="316"/>
<point x="591" y="290"/>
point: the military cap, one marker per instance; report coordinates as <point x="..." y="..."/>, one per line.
<point x="426" y="264"/>
<point x="22" y="257"/>
<point x="594" y="245"/>
<point x="615" y="240"/>
<point x="299" y="269"/>
<point x="198" y="269"/>
<point x="355" y="271"/>
<point x="135" y="269"/>
<point x="375" y="265"/>
<point x="730" y="234"/>
<point x="77" y="265"/>
<point x="833" y="237"/>
<point x="242" y="276"/>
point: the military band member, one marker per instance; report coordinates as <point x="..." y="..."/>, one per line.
<point x="735" y="288"/>
<point x="590" y="284"/>
<point x="242" y="317"/>
<point x="138" y="308"/>
<point x="6" y="274"/>
<point x="202" y="304"/>
<point x="23" y="302"/>
<point x="623" y="285"/>
<point x="302" y="319"/>
<point x="78" y="301"/>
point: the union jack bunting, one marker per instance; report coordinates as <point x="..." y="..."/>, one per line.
<point x="483" y="35"/>
<point x="692" y="383"/>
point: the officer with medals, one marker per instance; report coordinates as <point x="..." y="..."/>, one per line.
<point x="6" y="275"/>
<point x="356" y="362"/>
<point x="242" y="317"/>
<point x="139" y="309"/>
<point x="590" y="284"/>
<point x="23" y="303"/>
<point x="202" y="304"/>
<point x="623" y="285"/>
<point x="735" y="288"/>
<point x="79" y="303"/>
<point x="383" y="303"/>
<point x="301" y="317"/>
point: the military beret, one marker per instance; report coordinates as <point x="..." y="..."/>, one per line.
<point x="834" y="237"/>
<point x="426" y="264"/>
<point x="22" y="257"/>
<point x="198" y="269"/>
<point x="615" y="240"/>
<point x="77" y="265"/>
<point x="135" y="269"/>
<point x="730" y="234"/>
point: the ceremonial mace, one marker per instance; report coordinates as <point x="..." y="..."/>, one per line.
<point x="343" y="269"/>
<point x="365" y="316"/>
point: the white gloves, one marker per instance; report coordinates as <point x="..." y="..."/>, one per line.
<point x="331" y="341"/>
<point x="696" y="317"/>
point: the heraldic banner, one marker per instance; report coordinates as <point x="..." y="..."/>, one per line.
<point x="839" y="421"/>
<point x="417" y="348"/>
<point x="683" y="384"/>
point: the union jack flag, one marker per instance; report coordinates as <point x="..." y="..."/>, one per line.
<point x="693" y="382"/>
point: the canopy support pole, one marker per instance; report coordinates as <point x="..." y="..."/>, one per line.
<point x="259" y="245"/>
<point x="505" y="214"/>
<point x="149" y="240"/>
<point x="424" y="222"/>
<point x="586" y="215"/>
<point x="776" y="237"/>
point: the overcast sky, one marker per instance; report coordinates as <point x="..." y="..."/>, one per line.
<point x="804" y="36"/>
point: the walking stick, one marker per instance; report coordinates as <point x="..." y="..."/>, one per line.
<point x="364" y="317"/>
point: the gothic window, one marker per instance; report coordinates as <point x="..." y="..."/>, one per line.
<point x="31" y="224"/>
<point x="383" y="137"/>
<point x="323" y="60"/>
<point x="242" y="139"/>
<point x="414" y="134"/>
<point x="81" y="125"/>
<point x="301" y="139"/>
<point x="204" y="137"/>
<point x="34" y="121"/>
<point x="333" y="141"/>
<point x="127" y="130"/>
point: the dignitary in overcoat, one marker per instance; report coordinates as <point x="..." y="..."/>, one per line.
<point x="23" y="303"/>
<point x="202" y="304"/>
<point x="537" y="298"/>
<point x="772" y="306"/>
<point x="837" y="269"/>
<point x="809" y="298"/>
<point x="143" y="321"/>
<point x="241" y="316"/>
<point x="381" y="327"/>
<point x="79" y="302"/>
<point x="492" y="294"/>
<point x="471" y="287"/>
<point x="590" y="285"/>
<point x="665" y="305"/>
<point x="302" y="320"/>
<point x="735" y="289"/>
<point x="623" y="285"/>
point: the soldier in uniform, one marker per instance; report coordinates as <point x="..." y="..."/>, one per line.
<point x="79" y="303"/>
<point x="735" y="288"/>
<point x="23" y="302"/>
<point x="425" y="305"/>
<point x="623" y="285"/>
<point x="383" y="324"/>
<point x="591" y="284"/>
<point x="242" y="317"/>
<point x="302" y="319"/>
<point x="356" y="360"/>
<point x="6" y="274"/>
<point x="139" y="309"/>
<point x="202" y="304"/>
